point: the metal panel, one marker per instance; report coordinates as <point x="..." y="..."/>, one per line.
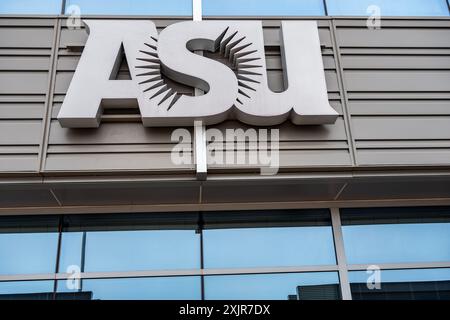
<point x="394" y="86"/>
<point x="25" y="55"/>
<point x="330" y="142"/>
<point x="275" y="191"/>
<point x="121" y="145"/>
<point x="133" y="194"/>
<point x="397" y="81"/>
<point x="395" y="188"/>
<point x="26" y="196"/>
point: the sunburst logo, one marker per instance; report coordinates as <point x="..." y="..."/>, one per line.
<point x="234" y="50"/>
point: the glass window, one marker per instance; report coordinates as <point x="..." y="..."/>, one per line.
<point x="30" y="7"/>
<point x="415" y="284"/>
<point x="130" y="242"/>
<point x="28" y="244"/>
<point x="158" y="288"/>
<point x="263" y="8"/>
<point x="268" y="239"/>
<point x="289" y="286"/>
<point x="132" y="7"/>
<point x="26" y="290"/>
<point x="388" y="7"/>
<point x="396" y="235"/>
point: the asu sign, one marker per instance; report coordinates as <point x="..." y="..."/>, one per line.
<point x="235" y="86"/>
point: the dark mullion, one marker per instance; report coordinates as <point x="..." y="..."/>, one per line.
<point x="325" y="7"/>
<point x="58" y="255"/>
<point x="202" y="264"/>
<point x="83" y="258"/>
<point x="63" y="6"/>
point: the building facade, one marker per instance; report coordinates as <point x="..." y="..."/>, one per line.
<point x="357" y="209"/>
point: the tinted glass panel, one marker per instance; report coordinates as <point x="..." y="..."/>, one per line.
<point x="164" y="288"/>
<point x="388" y="7"/>
<point x="133" y="7"/>
<point x="28" y="244"/>
<point x="290" y="286"/>
<point x="262" y="7"/>
<point x="131" y="242"/>
<point x="263" y="239"/>
<point x="29" y="290"/>
<point x="30" y="7"/>
<point x="419" y="284"/>
<point x="396" y="235"/>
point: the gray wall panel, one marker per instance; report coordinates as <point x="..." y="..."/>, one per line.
<point x="118" y="194"/>
<point x="396" y="88"/>
<point x="399" y="107"/>
<point x="121" y="145"/>
<point x="99" y="160"/>
<point x="108" y="147"/>
<point x="23" y="82"/>
<point x="402" y="128"/>
<point x="272" y="36"/>
<point x="384" y="80"/>
<point x="26" y="197"/>
<point x="398" y="62"/>
<point x="17" y="132"/>
<point x="404" y="36"/>
<point x="397" y="81"/>
<point x="238" y="192"/>
<point x="25" y="55"/>
<point x="18" y="163"/>
<point x="26" y="37"/>
<point x="30" y="62"/>
<point x="25" y="110"/>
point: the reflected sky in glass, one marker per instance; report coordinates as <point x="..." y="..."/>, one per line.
<point x="71" y="250"/>
<point x="18" y="287"/>
<point x="391" y="243"/>
<point x="388" y="7"/>
<point x="133" y="7"/>
<point x="263" y="7"/>
<point x="403" y="275"/>
<point x="268" y="247"/>
<point x="263" y="286"/>
<point x="132" y="250"/>
<point x="158" y="288"/>
<point x="30" y="6"/>
<point x="22" y="253"/>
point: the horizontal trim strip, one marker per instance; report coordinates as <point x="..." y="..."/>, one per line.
<point x="215" y="272"/>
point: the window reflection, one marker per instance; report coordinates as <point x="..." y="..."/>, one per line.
<point x="28" y="244"/>
<point x="416" y="284"/>
<point x="388" y="7"/>
<point x="263" y="7"/>
<point x="30" y="7"/>
<point x="131" y="242"/>
<point x="26" y="290"/>
<point x="396" y="235"/>
<point x="268" y="239"/>
<point x="133" y="7"/>
<point x="157" y="288"/>
<point x="289" y="286"/>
